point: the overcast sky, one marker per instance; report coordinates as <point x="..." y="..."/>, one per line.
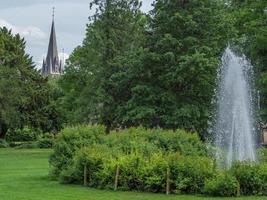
<point x="32" y="19"/>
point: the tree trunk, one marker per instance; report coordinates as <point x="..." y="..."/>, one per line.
<point x="3" y="130"/>
<point x="0" y="130"/>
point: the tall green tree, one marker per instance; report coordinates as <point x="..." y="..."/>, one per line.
<point x="25" y="98"/>
<point x="88" y="82"/>
<point x="251" y="24"/>
<point x="176" y="79"/>
<point x="156" y="70"/>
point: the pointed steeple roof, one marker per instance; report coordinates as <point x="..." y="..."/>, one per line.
<point x="52" y="52"/>
<point x="52" y="64"/>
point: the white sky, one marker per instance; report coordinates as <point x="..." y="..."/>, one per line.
<point x="32" y="19"/>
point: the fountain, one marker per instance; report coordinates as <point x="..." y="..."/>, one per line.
<point x="235" y="122"/>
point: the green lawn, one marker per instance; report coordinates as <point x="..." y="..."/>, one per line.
<point x="24" y="176"/>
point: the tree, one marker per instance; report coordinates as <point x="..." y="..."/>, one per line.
<point x="156" y="70"/>
<point x="88" y="82"/>
<point x="250" y="22"/>
<point x="177" y="71"/>
<point x="25" y="96"/>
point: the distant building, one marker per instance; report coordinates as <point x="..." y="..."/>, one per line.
<point x="52" y="65"/>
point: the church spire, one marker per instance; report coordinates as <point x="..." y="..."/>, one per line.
<point x="52" y="64"/>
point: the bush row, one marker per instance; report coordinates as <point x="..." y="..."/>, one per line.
<point x="130" y="141"/>
<point x="138" y="172"/>
<point x="26" y="134"/>
<point x="149" y="160"/>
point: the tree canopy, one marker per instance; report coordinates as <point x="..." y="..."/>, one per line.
<point x="152" y="70"/>
<point x="155" y="69"/>
<point x="25" y="97"/>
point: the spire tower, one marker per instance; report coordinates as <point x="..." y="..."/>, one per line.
<point x="52" y="65"/>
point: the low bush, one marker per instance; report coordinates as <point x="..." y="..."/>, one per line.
<point x="223" y="184"/>
<point x="252" y="178"/>
<point x="4" y="143"/>
<point x="69" y="141"/>
<point x="25" y="134"/>
<point x="190" y="172"/>
<point x="46" y="141"/>
<point x="151" y="140"/>
<point x="142" y="156"/>
<point x="92" y="158"/>
<point x="154" y="173"/>
<point x="130" y="177"/>
<point x="139" y="172"/>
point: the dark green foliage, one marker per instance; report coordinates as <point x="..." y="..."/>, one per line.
<point x="25" y="95"/>
<point x="155" y="71"/>
<point x="91" y="95"/>
<point x="223" y="184"/>
<point x="250" y="19"/>
<point x="46" y="141"/>
<point x="180" y="67"/>
<point x="26" y="134"/>
<point x="3" y="143"/>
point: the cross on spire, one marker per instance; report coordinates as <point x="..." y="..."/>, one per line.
<point x="53" y="15"/>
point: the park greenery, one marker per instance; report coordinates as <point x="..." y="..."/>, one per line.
<point x="145" y="83"/>
<point x="155" y="70"/>
<point x="149" y="160"/>
<point x="159" y="69"/>
<point x="26" y="99"/>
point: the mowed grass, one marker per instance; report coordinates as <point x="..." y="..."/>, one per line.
<point x="24" y="176"/>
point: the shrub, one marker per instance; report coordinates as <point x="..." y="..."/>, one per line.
<point x="94" y="158"/>
<point x="189" y="173"/>
<point x="46" y="141"/>
<point x="151" y="140"/>
<point x="4" y="143"/>
<point x="252" y="178"/>
<point x="223" y="184"/>
<point x="71" y="175"/>
<point x="26" y="134"/>
<point x="138" y="172"/>
<point x="130" y="175"/>
<point x="142" y="155"/>
<point x="69" y="141"/>
<point x="153" y="173"/>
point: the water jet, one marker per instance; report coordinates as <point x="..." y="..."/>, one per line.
<point x="234" y="127"/>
